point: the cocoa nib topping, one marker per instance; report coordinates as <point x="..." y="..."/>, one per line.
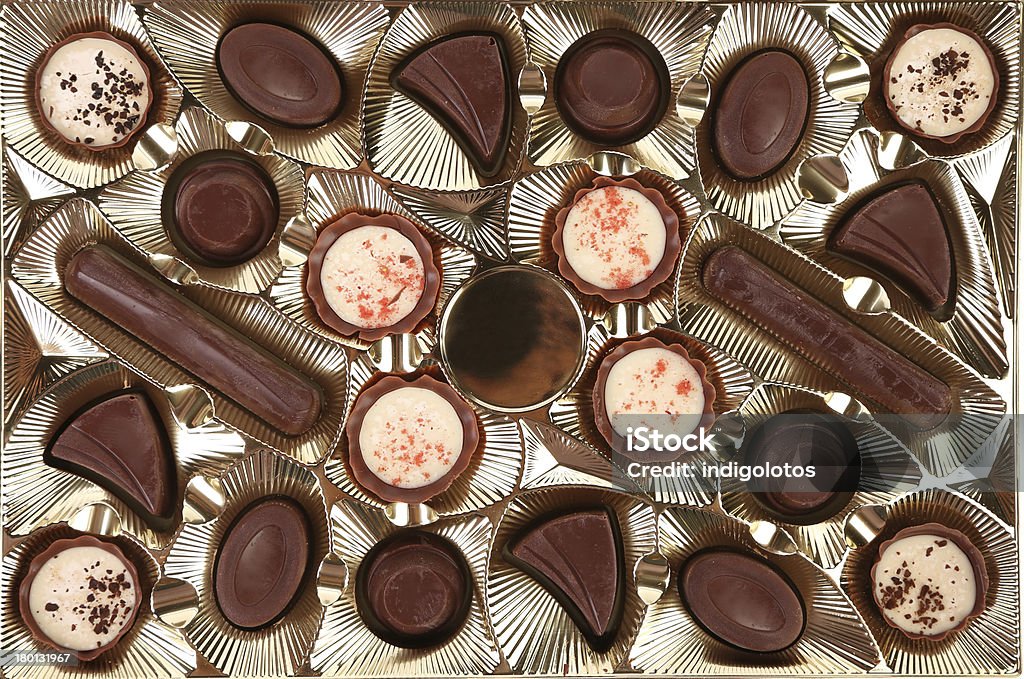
<point x="115" y="100"/>
<point x="942" y="73"/>
<point x="902" y="588"/>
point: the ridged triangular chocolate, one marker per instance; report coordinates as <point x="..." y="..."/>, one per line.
<point x="577" y="557"/>
<point x="463" y="82"/>
<point x="120" y="444"/>
<point x="900" y="233"/>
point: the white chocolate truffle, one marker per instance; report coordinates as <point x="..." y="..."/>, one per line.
<point x="94" y="91"/>
<point x="655" y="388"/>
<point x="614" y="237"/>
<point x="372" y="276"/>
<point x="411" y="437"/>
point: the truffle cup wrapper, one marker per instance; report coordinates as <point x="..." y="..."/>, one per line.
<point x="346" y="647"/>
<point x="887" y="470"/>
<point x="134" y="205"/>
<point x="38" y="494"/>
<point x="281" y="647"/>
<point x="331" y="195"/>
<point x="679" y="32"/>
<point x="554" y="645"/>
<point x="29" y="196"/>
<point x="405" y="143"/>
<point x="834" y="640"/>
<point x="989" y="643"/>
<point x="536" y="199"/>
<point x="149" y="649"/>
<point x="746" y="29"/>
<point x="31" y="29"/>
<point x="974" y="332"/>
<point x="574" y="413"/>
<point x="492" y="473"/>
<point x="39" y="267"/>
<point x="189" y="32"/>
<point x="976" y="409"/>
<point x="872" y="31"/>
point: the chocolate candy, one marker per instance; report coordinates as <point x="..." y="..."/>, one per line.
<point x="826" y="337"/>
<point x="742" y="600"/>
<point x="189" y="336"/>
<point x="225" y="210"/>
<point x="612" y="87"/>
<point x="900" y="233"/>
<point x="761" y="114"/>
<point x="414" y="589"/>
<point x="280" y="74"/>
<point x="120" y="444"/>
<point x="464" y="83"/>
<point x="577" y="557"/>
<point x="262" y="562"/>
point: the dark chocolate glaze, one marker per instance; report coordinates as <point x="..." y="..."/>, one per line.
<point x="119" y="443"/>
<point x="262" y="562"/>
<point x="612" y="87"/>
<point x="826" y="338"/>
<point x="188" y="335"/>
<point x="741" y="600"/>
<point x="414" y="589"/>
<point x="280" y="74"/>
<point x="761" y="114"/>
<point x="463" y="81"/>
<point x="578" y="559"/>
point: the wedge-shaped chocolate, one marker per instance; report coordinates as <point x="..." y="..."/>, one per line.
<point x="120" y="444"/>
<point x="463" y="82"/>
<point x="900" y="233"/>
<point x="577" y="557"/>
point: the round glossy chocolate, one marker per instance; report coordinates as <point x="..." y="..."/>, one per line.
<point x="262" y="562"/>
<point x="611" y="87"/>
<point x="414" y="589"/>
<point x="225" y="210"/>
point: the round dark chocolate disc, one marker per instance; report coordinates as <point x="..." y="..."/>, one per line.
<point x="611" y="87"/>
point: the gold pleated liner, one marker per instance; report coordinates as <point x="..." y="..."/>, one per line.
<point x="30" y="30"/>
<point x="744" y="30"/>
<point x="574" y="413"/>
<point x="134" y="205"/>
<point x="834" y="640"/>
<point x="553" y="458"/>
<point x="975" y="331"/>
<point x="887" y="470"/>
<point x="873" y="29"/>
<point x="282" y="647"/>
<point x="997" y="490"/>
<point x="150" y="649"/>
<point x="490" y="477"/>
<point x="29" y="196"/>
<point x="346" y="647"/>
<point x="989" y="644"/>
<point x="536" y="199"/>
<point x="472" y="219"/>
<point x="680" y="32"/>
<point x="534" y="632"/>
<point x="405" y="143"/>
<point x="39" y="267"/>
<point x="331" y="195"/>
<point x="941" y="450"/>
<point x="189" y="31"/>
<point x="39" y="349"/>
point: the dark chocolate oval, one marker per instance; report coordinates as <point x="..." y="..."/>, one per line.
<point x="761" y="114"/>
<point x="742" y="600"/>
<point x="262" y="562"/>
<point x="280" y="74"/>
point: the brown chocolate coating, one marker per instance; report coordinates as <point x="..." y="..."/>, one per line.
<point x="119" y="443"/>
<point x="191" y="337"/>
<point x="414" y="589"/>
<point x="761" y="114"/>
<point x="612" y="87"/>
<point x="354" y="220"/>
<point x="743" y="601"/>
<point x="826" y="337"/>
<point x="280" y="74"/>
<point x="661" y="273"/>
<point x="369" y="481"/>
